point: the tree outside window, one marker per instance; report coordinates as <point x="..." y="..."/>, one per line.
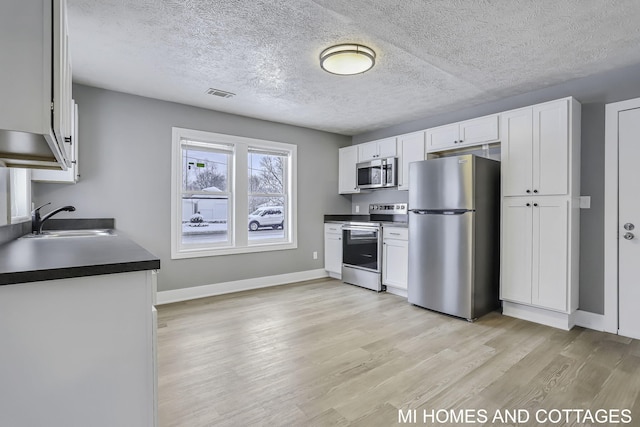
<point x="267" y="198"/>
<point x="205" y="197"/>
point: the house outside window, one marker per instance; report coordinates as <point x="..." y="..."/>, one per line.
<point x="231" y="194"/>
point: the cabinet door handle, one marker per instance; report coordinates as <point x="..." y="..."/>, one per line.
<point x="528" y="204"/>
<point x="535" y="204"/>
<point x="528" y="191"/>
<point x="535" y="191"/>
<point x="394" y="234"/>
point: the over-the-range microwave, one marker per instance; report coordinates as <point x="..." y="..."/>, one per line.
<point x="377" y="173"/>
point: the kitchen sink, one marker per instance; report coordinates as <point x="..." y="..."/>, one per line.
<point x="54" y="234"/>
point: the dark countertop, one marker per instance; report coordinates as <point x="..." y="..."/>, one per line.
<point x="33" y="260"/>
<point x="346" y="217"/>
<point x="342" y="218"/>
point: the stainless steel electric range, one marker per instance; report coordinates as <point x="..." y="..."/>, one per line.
<point x="362" y="245"/>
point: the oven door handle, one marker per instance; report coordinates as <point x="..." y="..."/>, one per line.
<point x="360" y="228"/>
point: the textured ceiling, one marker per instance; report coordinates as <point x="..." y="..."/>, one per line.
<point x="432" y="56"/>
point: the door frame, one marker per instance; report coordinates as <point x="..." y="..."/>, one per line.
<point x="611" y="200"/>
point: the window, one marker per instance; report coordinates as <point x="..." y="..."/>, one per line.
<point x="267" y="195"/>
<point x="20" y="194"/>
<point x="231" y="194"/>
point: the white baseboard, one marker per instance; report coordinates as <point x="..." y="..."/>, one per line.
<point x="397" y="291"/>
<point x="589" y="320"/>
<point x="177" y="295"/>
<point x="551" y="318"/>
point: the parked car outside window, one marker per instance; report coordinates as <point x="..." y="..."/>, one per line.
<point x="266" y="216"/>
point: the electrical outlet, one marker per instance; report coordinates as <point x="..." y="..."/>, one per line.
<point x="585" y="202"/>
<point x="357" y="208"/>
<point x="315" y="255"/>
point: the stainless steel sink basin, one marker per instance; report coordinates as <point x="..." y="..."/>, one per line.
<point x="54" y="234"/>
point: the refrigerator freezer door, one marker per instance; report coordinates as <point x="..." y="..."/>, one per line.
<point x="441" y="262"/>
<point x="445" y="183"/>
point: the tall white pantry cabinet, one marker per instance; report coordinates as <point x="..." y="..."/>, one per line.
<point x="540" y="212"/>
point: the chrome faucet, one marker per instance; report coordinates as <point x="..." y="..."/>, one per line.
<point x="37" y="221"/>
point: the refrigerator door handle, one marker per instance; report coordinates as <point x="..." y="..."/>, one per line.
<point x="441" y="211"/>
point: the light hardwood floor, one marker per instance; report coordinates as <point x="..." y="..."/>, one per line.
<point x="325" y="353"/>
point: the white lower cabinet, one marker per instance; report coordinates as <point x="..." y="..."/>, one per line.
<point x="78" y="351"/>
<point x="395" y="259"/>
<point x="333" y="250"/>
<point x="538" y="263"/>
<point x="517" y="250"/>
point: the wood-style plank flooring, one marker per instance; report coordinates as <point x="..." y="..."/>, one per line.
<point x="325" y="353"/>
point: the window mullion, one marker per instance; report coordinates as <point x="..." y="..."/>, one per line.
<point x="241" y="197"/>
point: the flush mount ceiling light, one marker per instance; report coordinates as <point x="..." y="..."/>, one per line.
<point x="347" y="59"/>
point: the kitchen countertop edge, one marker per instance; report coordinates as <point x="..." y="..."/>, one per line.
<point x="15" y="278"/>
<point x="343" y="219"/>
<point x="35" y="260"/>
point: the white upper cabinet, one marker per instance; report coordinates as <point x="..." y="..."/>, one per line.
<point x="62" y="102"/>
<point x="483" y="130"/>
<point x="377" y="149"/>
<point x="35" y="84"/>
<point x="479" y="131"/>
<point x="442" y="137"/>
<point x="347" y="160"/>
<point x="551" y="148"/>
<point x="412" y="149"/>
<point x="72" y="174"/>
<point x="368" y="151"/>
<point x="536" y="150"/>
<point x="517" y="151"/>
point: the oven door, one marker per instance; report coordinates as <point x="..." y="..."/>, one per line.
<point x="361" y="247"/>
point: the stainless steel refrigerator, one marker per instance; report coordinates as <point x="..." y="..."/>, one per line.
<point x="454" y="235"/>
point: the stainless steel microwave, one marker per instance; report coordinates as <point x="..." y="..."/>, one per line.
<point x="377" y="173"/>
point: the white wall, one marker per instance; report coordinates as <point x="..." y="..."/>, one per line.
<point x="125" y="171"/>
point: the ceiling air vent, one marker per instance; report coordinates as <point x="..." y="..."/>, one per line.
<point x="220" y="93"/>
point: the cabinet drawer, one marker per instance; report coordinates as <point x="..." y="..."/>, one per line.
<point x="398" y="233"/>
<point x="333" y="228"/>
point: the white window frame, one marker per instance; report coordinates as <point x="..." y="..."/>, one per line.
<point x="20" y="192"/>
<point x="238" y="186"/>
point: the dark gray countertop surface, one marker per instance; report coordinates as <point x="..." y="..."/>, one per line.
<point x="344" y="218"/>
<point x="33" y="260"/>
